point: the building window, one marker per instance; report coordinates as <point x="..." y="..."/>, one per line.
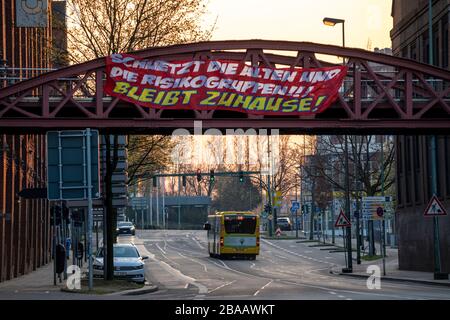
<point x="447" y="165"/>
<point x="436" y="51"/>
<point x="425" y="47"/>
<point x="417" y="169"/>
<point x="445" y="52"/>
<point x="408" y="172"/>
<point x="400" y="156"/>
<point x="405" y="52"/>
<point x="413" y="51"/>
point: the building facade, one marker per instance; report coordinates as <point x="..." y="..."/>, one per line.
<point x="415" y="232"/>
<point x="25" y="232"/>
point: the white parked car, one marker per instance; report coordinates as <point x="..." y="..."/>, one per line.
<point x="128" y="263"/>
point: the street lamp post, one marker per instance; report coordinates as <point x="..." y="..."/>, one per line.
<point x="332" y="22"/>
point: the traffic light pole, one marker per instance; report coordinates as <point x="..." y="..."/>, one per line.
<point x="349" y="267"/>
<point x="89" y="194"/>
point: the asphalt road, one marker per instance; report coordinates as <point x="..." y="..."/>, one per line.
<point x="180" y="265"/>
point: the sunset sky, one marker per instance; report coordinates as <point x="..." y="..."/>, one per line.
<point x="301" y="20"/>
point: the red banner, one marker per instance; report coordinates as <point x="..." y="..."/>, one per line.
<point x="222" y="85"/>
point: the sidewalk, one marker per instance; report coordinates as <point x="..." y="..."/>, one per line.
<point x="41" y="281"/>
<point x="391" y="265"/>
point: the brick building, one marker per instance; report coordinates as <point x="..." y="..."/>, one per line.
<point x="25" y="234"/>
<point x="415" y="233"/>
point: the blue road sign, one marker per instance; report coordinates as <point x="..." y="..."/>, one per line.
<point x="295" y="205"/>
<point x="67" y="165"/>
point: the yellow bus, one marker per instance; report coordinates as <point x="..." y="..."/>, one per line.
<point x="233" y="234"/>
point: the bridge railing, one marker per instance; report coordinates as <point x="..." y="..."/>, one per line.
<point x="369" y="88"/>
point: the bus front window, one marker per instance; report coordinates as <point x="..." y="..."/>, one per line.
<point x="240" y="224"/>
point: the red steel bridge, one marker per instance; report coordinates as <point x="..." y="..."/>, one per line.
<point x="381" y="93"/>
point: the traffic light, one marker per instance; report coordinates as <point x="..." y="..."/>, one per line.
<point x="155" y="182"/>
<point x="55" y="211"/>
<point x="241" y="176"/>
<point x="267" y="208"/>
<point x="211" y="175"/>
<point x="199" y="175"/>
<point x="184" y="181"/>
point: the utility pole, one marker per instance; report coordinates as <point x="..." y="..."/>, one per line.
<point x="383" y="230"/>
<point x="349" y="268"/>
<point x="269" y="191"/>
<point x="358" y="211"/>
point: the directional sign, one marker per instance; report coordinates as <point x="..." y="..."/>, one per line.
<point x="435" y="208"/>
<point x="295" y="205"/>
<point x="373" y="208"/>
<point x="67" y="156"/>
<point x="342" y="220"/>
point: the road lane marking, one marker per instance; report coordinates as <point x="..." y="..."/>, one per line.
<point x="157" y="245"/>
<point x="262" y="288"/>
<point x="175" y="272"/>
<point x="198" y="243"/>
<point x="224" y="285"/>
<point x="202" y="264"/>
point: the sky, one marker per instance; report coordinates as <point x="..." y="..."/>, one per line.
<point x="367" y="22"/>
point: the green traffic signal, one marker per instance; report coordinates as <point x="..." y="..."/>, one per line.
<point x="241" y="176"/>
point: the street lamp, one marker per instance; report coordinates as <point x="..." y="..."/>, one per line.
<point x="331" y="22"/>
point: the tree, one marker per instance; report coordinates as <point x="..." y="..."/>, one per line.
<point x="100" y="28"/>
<point x="233" y="195"/>
<point x="364" y="163"/>
<point x="147" y="155"/>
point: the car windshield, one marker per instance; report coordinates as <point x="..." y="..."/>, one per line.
<point x="124" y="224"/>
<point x="122" y="252"/>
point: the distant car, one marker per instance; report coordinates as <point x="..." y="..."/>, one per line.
<point x="284" y="224"/>
<point x="125" y="228"/>
<point x="128" y="263"/>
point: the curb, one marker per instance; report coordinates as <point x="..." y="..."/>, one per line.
<point x="146" y="289"/>
<point x="355" y="275"/>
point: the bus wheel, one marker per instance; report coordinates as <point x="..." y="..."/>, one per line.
<point x="253" y="257"/>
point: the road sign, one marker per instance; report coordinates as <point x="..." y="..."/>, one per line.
<point x="295" y="205"/>
<point x="435" y="208"/>
<point x="342" y="220"/>
<point x="270" y="217"/>
<point x="67" y="157"/>
<point x="380" y="212"/>
<point x="277" y="199"/>
<point x="370" y="207"/>
<point x="278" y="232"/>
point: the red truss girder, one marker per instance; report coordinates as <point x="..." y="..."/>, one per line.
<point x="410" y="95"/>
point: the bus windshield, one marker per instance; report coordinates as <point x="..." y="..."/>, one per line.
<point x="240" y="224"/>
